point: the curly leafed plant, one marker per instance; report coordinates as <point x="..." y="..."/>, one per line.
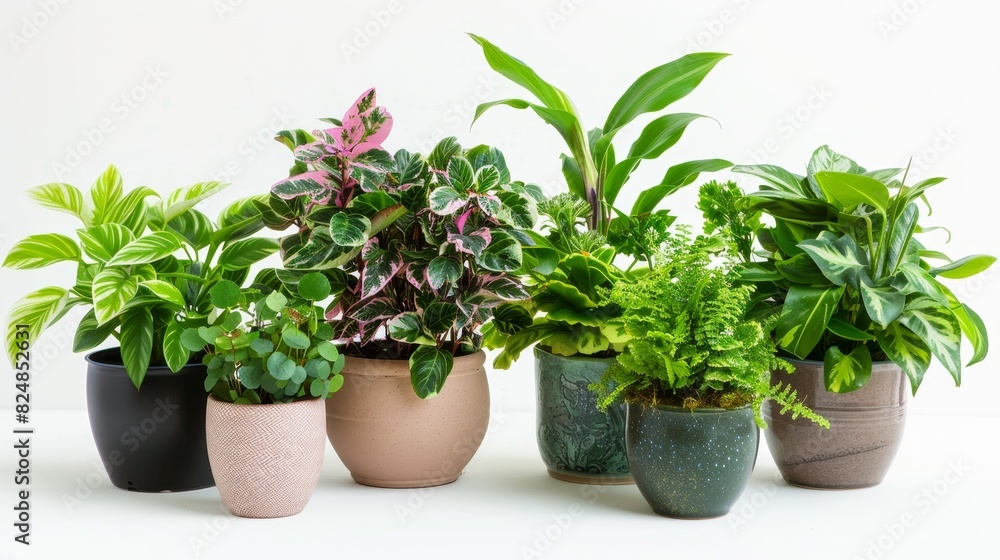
<point x="420" y="250"/>
<point x="688" y="341"/>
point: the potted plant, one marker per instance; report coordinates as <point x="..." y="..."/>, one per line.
<point x="143" y="272"/>
<point x="693" y="372"/>
<point x="588" y="236"/>
<point x="860" y="309"/>
<point x="420" y="251"/>
<point x="270" y="368"/>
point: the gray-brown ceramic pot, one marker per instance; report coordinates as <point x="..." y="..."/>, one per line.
<point x="389" y="437"/>
<point x="866" y="428"/>
<point x="266" y="458"/>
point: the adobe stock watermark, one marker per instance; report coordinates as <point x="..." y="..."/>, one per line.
<point x="225" y="7"/>
<point x="543" y="539"/>
<point x="754" y="500"/>
<point x="715" y="27"/>
<point x="788" y="125"/>
<point x="253" y="144"/>
<point x="418" y="498"/>
<point x="57" y="340"/>
<point x="944" y="140"/>
<point x="459" y="113"/>
<point x="899" y="15"/>
<point x="120" y="109"/>
<point x="560" y="12"/>
<point x="922" y="502"/>
<point x="365" y="33"/>
<point x="210" y="531"/>
<point x="32" y="25"/>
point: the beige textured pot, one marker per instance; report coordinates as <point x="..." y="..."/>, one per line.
<point x="266" y="458"/>
<point x="389" y="437"/>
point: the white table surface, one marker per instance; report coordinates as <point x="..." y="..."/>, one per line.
<point x="505" y="506"/>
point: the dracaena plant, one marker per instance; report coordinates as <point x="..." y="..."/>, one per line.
<point x="580" y="255"/>
<point x="849" y="280"/>
<point x="687" y="339"/>
<point x="265" y="347"/>
<point x="420" y="250"/>
<point x="144" y="266"/>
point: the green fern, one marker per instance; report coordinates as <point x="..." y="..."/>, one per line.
<point x="690" y="343"/>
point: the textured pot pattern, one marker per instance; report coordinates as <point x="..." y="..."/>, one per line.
<point x="866" y="429"/>
<point x="577" y="442"/>
<point x="691" y="464"/>
<point x="152" y="439"/>
<point x="266" y="458"/>
<point x="388" y="437"/>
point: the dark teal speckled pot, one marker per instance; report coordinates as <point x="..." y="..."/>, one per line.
<point x="691" y="464"/>
<point x="578" y="442"/>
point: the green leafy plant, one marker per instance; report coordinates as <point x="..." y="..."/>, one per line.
<point x="587" y="233"/>
<point x="420" y="250"/>
<point x="268" y="347"/>
<point x="688" y="342"/>
<point x="144" y="266"/>
<point x="847" y="278"/>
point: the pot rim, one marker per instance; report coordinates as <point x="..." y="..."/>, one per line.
<point x="215" y="399"/>
<point x="575" y="357"/>
<point x="794" y="360"/>
<point x="94" y="358"/>
<point x="468" y="364"/>
<point x="699" y="410"/>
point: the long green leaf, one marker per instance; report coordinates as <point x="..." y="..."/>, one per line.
<point x="113" y="288"/>
<point x="39" y="251"/>
<point x="849" y="190"/>
<point x="804" y="317"/>
<point x="964" y="268"/>
<point x="938" y="327"/>
<point x="907" y="350"/>
<point x="131" y="210"/>
<point x="519" y="73"/>
<point x="89" y="334"/>
<point x="884" y="305"/>
<point x="660" y="87"/>
<point x="184" y="198"/>
<point x="247" y="252"/>
<point x="148" y="248"/>
<point x="61" y="197"/>
<point x="174" y="351"/>
<point x="36" y="311"/>
<point x="776" y="177"/>
<point x="165" y="291"/>
<point x="661" y="134"/>
<point x="137" y="343"/>
<point x="106" y="192"/>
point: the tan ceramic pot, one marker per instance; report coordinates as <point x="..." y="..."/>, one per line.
<point x="266" y="458"/>
<point x="389" y="437"/>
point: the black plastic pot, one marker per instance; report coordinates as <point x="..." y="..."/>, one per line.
<point x="153" y="439"/>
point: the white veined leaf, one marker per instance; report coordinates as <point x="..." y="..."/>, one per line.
<point x="103" y="242"/>
<point x="184" y="198"/>
<point x="38" y="251"/>
<point x="106" y="193"/>
<point x="148" y="248"/>
<point x="35" y="312"/>
<point x="165" y="291"/>
<point x="113" y="288"/>
<point x="61" y="197"/>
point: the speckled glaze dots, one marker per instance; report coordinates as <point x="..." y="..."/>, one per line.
<point x="691" y="464"/>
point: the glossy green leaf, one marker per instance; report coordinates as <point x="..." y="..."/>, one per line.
<point x="38" y="251"/>
<point x="843" y="373"/>
<point x="775" y="177"/>
<point x="461" y="175"/>
<point x="60" y="197"/>
<point x="148" y="248"/>
<point x="661" y="134"/>
<point x="314" y="286"/>
<point x="884" y="305"/>
<point x="175" y="352"/>
<point x="841" y="261"/>
<point x="407" y="327"/>
<point x="247" y="252"/>
<point x="804" y="316"/>
<point x="907" y="350"/>
<point x="89" y="334"/>
<point x="849" y="190"/>
<point x="848" y="331"/>
<point x="137" y="343"/>
<point x="37" y="311"/>
<point x="165" y="291"/>
<point x="185" y="198"/>
<point x="113" y="288"/>
<point x="939" y="329"/>
<point x="443" y="270"/>
<point x="349" y="230"/>
<point x="964" y="268"/>
<point x="429" y="368"/>
<point x="103" y="242"/>
<point x="105" y="193"/>
<point x="919" y="280"/>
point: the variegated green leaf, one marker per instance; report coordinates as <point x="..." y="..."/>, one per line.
<point x="184" y="198"/>
<point x="148" y="248"/>
<point x="174" y="352"/>
<point x="461" y="175"/>
<point x="61" y="197"/>
<point x="103" y="242"/>
<point x="487" y="178"/>
<point x="106" y="192"/>
<point x="194" y="227"/>
<point x="843" y="373"/>
<point x="841" y="261"/>
<point x="919" y="280"/>
<point x="429" y="368"/>
<point x="165" y="291"/>
<point x="825" y="159"/>
<point x="35" y="312"/>
<point x="89" y="334"/>
<point x="443" y="270"/>
<point x="907" y="350"/>
<point x="349" y="230"/>
<point x="884" y="305"/>
<point x="804" y="317"/>
<point x="445" y="201"/>
<point x="39" y="251"/>
<point x="938" y="327"/>
<point x="137" y="343"/>
<point x="407" y="327"/>
<point x="113" y="288"/>
<point x="131" y="211"/>
<point x="776" y="177"/>
<point x="247" y="252"/>
<point x="381" y="266"/>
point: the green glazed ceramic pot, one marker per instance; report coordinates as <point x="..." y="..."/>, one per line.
<point x="578" y="442"/>
<point x="691" y="464"/>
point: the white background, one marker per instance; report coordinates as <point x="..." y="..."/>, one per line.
<point x="207" y="83"/>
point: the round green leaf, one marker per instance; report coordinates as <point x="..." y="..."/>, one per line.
<point x="280" y="367"/>
<point x="295" y="338"/>
<point x="336" y="382"/>
<point x="262" y="346"/>
<point x="225" y="294"/>
<point x="276" y="301"/>
<point x="314" y="286"/>
<point x="328" y="350"/>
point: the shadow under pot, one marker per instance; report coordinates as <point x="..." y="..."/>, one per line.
<point x="266" y="458"/>
<point x="389" y="437"/>
<point x="866" y="429"/>
<point x="150" y="439"/>
<point x="578" y="443"/>
<point x="691" y="464"/>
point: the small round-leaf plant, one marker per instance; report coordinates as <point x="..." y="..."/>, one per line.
<point x="269" y="347"/>
<point x="689" y="342"/>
